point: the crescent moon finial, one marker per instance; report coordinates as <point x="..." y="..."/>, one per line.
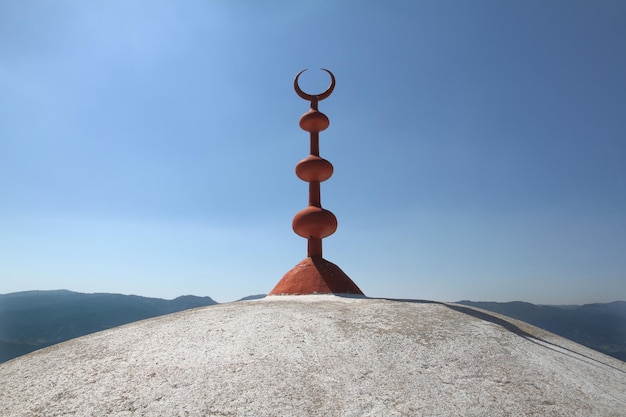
<point x="310" y="97"/>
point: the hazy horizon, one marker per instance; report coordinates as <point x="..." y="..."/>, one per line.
<point x="265" y="294"/>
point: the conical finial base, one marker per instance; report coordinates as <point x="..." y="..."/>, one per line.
<point x="315" y="275"/>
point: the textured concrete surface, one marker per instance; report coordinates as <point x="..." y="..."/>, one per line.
<point x="317" y="355"/>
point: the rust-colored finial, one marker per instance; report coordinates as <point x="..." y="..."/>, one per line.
<point x="314" y="99"/>
<point x="315" y="275"/>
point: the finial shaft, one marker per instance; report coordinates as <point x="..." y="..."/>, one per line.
<point x="315" y="275"/>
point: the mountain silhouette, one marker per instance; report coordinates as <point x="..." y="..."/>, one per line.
<point x="31" y="320"/>
<point x="601" y="327"/>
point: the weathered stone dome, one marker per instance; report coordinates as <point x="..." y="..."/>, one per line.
<point x="317" y="355"/>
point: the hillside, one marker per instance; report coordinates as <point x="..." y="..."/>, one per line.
<point x="599" y="326"/>
<point x="32" y="320"/>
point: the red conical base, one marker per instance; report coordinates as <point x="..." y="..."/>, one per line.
<point x="315" y="275"/>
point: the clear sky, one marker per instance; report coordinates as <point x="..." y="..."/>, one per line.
<point x="148" y="147"/>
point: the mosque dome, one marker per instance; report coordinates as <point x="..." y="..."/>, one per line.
<point x="317" y="355"/>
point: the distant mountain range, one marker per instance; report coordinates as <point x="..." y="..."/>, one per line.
<point x="601" y="327"/>
<point x="32" y="320"/>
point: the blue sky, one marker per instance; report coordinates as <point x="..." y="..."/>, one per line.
<point x="148" y="147"/>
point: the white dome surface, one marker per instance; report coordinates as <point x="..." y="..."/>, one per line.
<point x="317" y="355"/>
